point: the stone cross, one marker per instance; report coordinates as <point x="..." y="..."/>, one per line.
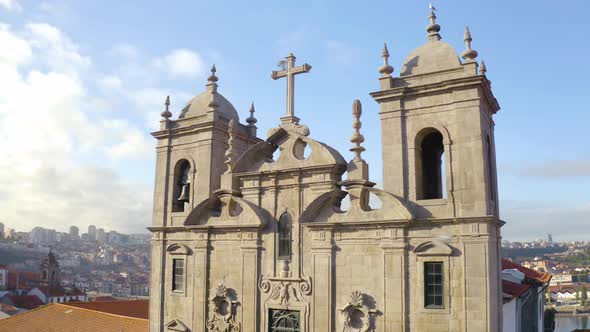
<point x="289" y="72"/>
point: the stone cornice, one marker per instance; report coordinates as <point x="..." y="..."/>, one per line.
<point x="401" y="92"/>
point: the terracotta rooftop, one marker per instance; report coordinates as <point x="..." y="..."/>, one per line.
<point x="137" y="308"/>
<point x="514" y="289"/>
<point x="22" y="301"/>
<point x="538" y="276"/>
<point x="26" y="280"/>
<point x="66" y="318"/>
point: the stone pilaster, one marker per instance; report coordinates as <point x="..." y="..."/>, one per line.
<point x="249" y="292"/>
<point x="200" y="296"/>
<point x="323" y="303"/>
<point x="394" y="282"/>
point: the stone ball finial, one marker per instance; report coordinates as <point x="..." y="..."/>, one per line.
<point x="167" y="114"/>
<point x="385" y="70"/>
<point x="469" y="54"/>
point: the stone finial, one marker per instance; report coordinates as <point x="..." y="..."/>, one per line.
<point x="167" y="114"/>
<point x="251" y="120"/>
<point x="468" y="54"/>
<point x="357" y="138"/>
<point x="482" y="68"/>
<point x="212" y="80"/>
<point x="230" y="152"/>
<point x="386" y="69"/>
<point x="433" y="29"/>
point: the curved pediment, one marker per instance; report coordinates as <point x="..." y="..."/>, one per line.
<point x="178" y="249"/>
<point x="176" y="325"/>
<point x="433" y="248"/>
<point x="327" y="207"/>
<point x="226" y="211"/>
<point x="291" y="145"/>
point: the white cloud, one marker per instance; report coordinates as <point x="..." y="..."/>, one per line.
<point x="14" y="50"/>
<point x="11" y="5"/>
<point x="110" y="82"/>
<point x="181" y="63"/>
<point x="49" y="122"/>
<point x="124" y="50"/>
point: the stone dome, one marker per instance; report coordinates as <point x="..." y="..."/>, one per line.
<point x="208" y="101"/>
<point x="433" y="56"/>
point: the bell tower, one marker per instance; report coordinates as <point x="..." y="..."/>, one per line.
<point x="191" y="152"/>
<point x="50" y="273"/>
<point x="190" y="157"/>
<point x="438" y="130"/>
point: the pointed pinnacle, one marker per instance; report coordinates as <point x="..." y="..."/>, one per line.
<point x="482" y="68"/>
<point x="467" y="34"/>
<point x="385" y="52"/>
<point x="213" y="78"/>
<point x="385" y="70"/>
<point x="251" y="120"/>
<point x="469" y="54"/>
<point x="166" y="114"/>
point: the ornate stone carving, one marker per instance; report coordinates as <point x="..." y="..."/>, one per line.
<point x="358" y="314"/>
<point x="223" y="312"/>
<point x="285" y="291"/>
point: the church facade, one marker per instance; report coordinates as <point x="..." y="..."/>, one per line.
<point x="256" y="234"/>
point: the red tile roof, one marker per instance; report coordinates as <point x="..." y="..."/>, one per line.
<point x="541" y="277"/>
<point x="136" y="308"/>
<point x="65" y="318"/>
<point x="22" y="301"/>
<point x="26" y="279"/>
<point x="514" y="289"/>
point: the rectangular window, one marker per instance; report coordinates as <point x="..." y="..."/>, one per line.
<point x="433" y="285"/>
<point x="178" y="275"/>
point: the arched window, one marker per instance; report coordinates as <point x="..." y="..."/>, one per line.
<point x="181" y="186"/>
<point x="430" y="168"/>
<point x="284" y="236"/>
<point x="491" y="178"/>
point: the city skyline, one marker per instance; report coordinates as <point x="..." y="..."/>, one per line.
<point x="89" y="155"/>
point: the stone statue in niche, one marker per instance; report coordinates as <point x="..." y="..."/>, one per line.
<point x="223" y="311"/>
<point x="359" y="313"/>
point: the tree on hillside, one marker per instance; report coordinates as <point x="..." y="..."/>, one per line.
<point x="583" y="295"/>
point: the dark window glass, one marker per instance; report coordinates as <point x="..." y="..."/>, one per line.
<point x="283" y="320"/>
<point x="433" y="285"/>
<point x="178" y="274"/>
<point x="284" y="236"/>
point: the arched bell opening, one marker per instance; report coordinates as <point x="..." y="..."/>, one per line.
<point x="182" y="186"/>
<point x="430" y="165"/>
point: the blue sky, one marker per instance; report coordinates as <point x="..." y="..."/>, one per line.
<point x="82" y="84"/>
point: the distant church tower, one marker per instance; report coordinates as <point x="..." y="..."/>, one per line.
<point x="252" y="235"/>
<point x="50" y="272"/>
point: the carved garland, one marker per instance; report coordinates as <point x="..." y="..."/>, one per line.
<point x="223" y="312"/>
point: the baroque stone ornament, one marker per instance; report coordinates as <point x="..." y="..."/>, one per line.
<point x="285" y="291"/>
<point x="223" y="312"/>
<point x="358" y="316"/>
